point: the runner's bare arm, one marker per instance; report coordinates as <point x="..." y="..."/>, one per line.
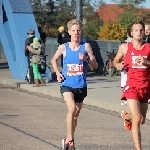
<point x="92" y="63"/>
<point x="120" y="55"/>
<point x="56" y="56"/>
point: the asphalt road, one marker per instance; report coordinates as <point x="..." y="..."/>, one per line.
<point x="31" y="121"/>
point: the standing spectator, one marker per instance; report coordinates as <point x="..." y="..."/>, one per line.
<point x="147" y="33"/>
<point x="28" y="41"/>
<point x="63" y="36"/>
<point x="36" y="51"/>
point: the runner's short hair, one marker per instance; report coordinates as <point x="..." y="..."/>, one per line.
<point x="137" y="22"/>
<point x="74" y="22"/>
<point x="129" y="32"/>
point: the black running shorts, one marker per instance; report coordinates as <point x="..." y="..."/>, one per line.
<point x="79" y="93"/>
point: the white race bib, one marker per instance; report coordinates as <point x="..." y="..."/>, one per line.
<point x="74" y="69"/>
<point x="137" y="65"/>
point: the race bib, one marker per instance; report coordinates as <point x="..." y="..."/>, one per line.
<point x="137" y="65"/>
<point x="74" y="69"/>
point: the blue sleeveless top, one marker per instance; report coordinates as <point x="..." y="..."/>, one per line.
<point x="74" y="69"/>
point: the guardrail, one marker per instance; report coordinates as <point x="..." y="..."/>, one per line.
<point x="98" y="47"/>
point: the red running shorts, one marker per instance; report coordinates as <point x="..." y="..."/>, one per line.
<point x="140" y="94"/>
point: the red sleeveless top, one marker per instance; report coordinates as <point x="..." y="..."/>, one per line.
<point x="137" y="74"/>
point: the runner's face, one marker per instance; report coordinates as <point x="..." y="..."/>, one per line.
<point x="137" y="32"/>
<point x="75" y="32"/>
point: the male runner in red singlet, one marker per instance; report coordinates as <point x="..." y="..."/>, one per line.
<point x="137" y="61"/>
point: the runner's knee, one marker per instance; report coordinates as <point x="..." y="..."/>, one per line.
<point x="136" y="119"/>
<point x="71" y="110"/>
<point x="76" y="114"/>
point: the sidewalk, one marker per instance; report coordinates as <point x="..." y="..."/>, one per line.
<point x="103" y="92"/>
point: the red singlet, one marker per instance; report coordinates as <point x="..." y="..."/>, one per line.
<point x="137" y="74"/>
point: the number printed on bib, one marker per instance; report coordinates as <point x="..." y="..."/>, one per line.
<point x="137" y="65"/>
<point x="74" y="69"/>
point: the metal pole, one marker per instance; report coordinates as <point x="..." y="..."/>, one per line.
<point x="79" y="13"/>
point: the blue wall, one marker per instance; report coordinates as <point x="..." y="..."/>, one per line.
<point x="13" y="29"/>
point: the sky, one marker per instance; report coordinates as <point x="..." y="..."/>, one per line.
<point x="146" y="4"/>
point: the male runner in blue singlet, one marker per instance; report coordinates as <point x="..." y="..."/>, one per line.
<point x="76" y="56"/>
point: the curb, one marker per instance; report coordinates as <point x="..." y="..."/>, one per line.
<point x="11" y="82"/>
<point x="55" y="93"/>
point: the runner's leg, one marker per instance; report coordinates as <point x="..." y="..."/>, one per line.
<point x="143" y="108"/>
<point x="69" y="99"/>
<point x="77" y="111"/>
<point x="134" y="106"/>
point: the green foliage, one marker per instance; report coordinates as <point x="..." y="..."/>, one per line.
<point x="91" y="23"/>
<point x="132" y="13"/>
<point x="52" y="15"/>
<point x="127" y="18"/>
<point x="39" y="10"/>
<point x="64" y="12"/>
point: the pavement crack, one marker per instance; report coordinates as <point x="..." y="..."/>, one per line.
<point x="6" y="116"/>
<point x="28" y="134"/>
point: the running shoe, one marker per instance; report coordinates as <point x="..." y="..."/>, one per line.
<point x="127" y="123"/>
<point x="69" y="145"/>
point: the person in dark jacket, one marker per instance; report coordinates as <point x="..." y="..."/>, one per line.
<point x="28" y="41"/>
<point x="63" y="36"/>
<point x="42" y="35"/>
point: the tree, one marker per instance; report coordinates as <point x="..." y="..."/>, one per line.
<point x="91" y="23"/>
<point x="94" y="3"/>
<point x="55" y="13"/>
<point x="132" y="13"/>
<point x="50" y="14"/>
<point x="39" y="10"/>
<point x="112" y="31"/>
<point x="64" y="12"/>
<point x="127" y="18"/>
